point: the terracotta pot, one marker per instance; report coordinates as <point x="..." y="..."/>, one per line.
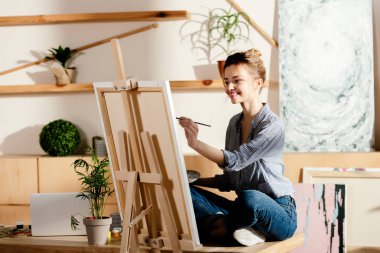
<point x="97" y="230"/>
<point x="221" y="68"/>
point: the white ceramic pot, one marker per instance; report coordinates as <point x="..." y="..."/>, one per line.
<point x="97" y="230"/>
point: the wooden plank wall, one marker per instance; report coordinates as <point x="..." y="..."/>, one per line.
<point x="294" y="162"/>
<point x="24" y="175"/>
<point x="20" y="176"/>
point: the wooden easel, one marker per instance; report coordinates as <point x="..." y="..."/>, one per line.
<point x="134" y="181"/>
<point x="137" y="178"/>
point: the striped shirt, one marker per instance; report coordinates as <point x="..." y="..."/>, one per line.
<point x="257" y="164"/>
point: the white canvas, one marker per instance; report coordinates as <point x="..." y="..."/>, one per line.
<point x="155" y="114"/>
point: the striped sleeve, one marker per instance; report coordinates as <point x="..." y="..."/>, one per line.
<point x="257" y="148"/>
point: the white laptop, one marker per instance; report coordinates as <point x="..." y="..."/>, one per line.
<point x="50" y="213"/>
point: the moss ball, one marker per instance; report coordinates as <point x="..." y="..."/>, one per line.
<point x="59" y="138"/>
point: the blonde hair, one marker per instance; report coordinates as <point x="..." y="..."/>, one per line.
<point x="252" y="58"/>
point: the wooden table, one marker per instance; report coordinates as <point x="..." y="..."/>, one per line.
<point x="78" y="244"/>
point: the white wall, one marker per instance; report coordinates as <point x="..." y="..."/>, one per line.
<point x="158" y="54"/>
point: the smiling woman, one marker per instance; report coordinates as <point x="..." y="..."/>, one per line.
<point x="252" y="72"/>
<point x="251" y="162"/>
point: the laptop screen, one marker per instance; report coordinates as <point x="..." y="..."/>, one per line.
<point x="51" y="213"/>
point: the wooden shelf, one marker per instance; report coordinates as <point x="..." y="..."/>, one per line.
<point x="87" y="87"/>
<point x="197" y="84"/>
<point x="95" y="17"/>
<point x="44" y="88"/>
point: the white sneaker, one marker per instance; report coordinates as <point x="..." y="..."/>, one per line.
<point x="248" y="236"/>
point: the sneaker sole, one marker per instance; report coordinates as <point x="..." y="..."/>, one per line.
<point x="248" y="236"/>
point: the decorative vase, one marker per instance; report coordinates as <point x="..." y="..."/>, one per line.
<point x="221" y="68"/>
<point x="63" y="76"/>
<point x="97" y="230"/>
<point x="99" y="146"/>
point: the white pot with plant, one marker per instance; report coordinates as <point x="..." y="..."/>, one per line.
<point x="96" y="189"/>
<point x="63" y="73"/>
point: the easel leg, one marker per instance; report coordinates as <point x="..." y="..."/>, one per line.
<point x="130" y="198"/>
<point x="170" y="226"/>
<point x="160" y="191"/>
<point x="134" y="241"/>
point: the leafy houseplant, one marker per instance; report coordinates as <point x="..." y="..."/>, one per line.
<point x="64" y="56"/>
<point x="218" y="29"/>
<point x="96" y="189"/>
<point x="225" y="29"/>
<point x="215" y="35"/>
<point x="59" y="138"/>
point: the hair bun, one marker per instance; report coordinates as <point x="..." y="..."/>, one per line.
<point x="253" y="52"/>
<point x="252" y="58"/>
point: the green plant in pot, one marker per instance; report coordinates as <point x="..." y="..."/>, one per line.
<point x="226" y="28"/>
<point x="59" y="138"/>
<point x="63" y="74"/>
<point x="96" y="188"/>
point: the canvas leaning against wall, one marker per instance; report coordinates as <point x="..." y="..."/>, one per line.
<point x="326" y="75"/>
<point x="321" y="217"/>
<point x="363" y="201"/>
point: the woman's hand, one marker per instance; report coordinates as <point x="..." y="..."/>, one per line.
<point x="191" y="131"/>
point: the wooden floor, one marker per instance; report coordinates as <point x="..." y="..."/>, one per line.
<point x="357" y="249"/>
<point x="78" y="244"/>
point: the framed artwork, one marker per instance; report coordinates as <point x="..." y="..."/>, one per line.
<point x="326" y="69"/>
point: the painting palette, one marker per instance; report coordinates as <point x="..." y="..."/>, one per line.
<point x="192" y="176"/>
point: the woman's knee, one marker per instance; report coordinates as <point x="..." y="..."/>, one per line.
<point x="251" y="198"/>
<point x="285" y="233"/>
<point x="249" y="202"/>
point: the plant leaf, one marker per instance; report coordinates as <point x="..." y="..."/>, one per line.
<point x="74" y="223"/>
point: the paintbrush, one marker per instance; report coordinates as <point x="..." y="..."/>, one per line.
<point x="197" y="123"/>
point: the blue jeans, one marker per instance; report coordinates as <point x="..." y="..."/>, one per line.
<point x="275" y="218"/>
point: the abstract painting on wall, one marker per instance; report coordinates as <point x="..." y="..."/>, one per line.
<point x="321" y="217"/>
<point x="326" y="75"/>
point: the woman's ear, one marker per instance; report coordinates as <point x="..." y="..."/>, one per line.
<point x="259" y="83"/>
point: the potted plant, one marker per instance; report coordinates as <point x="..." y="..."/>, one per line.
<point x="225" y="29"/>
<point x="96" y="189"/>
<point x="63" y="74"/>
<point x="216" y="33"/>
